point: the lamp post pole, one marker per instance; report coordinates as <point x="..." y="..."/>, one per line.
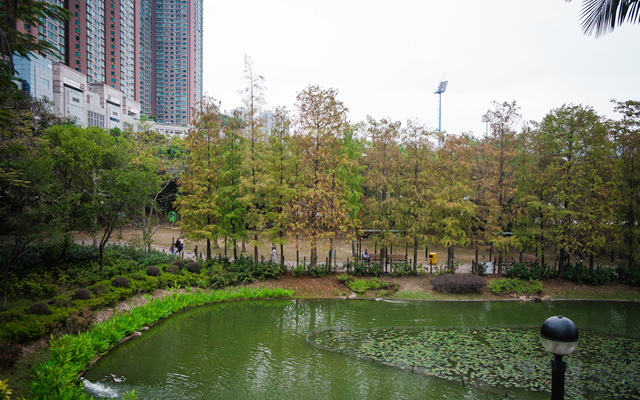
<point x="558" y="368"/>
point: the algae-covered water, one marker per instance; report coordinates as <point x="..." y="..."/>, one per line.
<point x="258" y="349"/>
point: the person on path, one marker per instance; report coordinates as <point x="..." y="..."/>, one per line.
<point x="274" y="255"/>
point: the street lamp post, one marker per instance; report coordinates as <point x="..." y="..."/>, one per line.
<point x="559" y="335"/>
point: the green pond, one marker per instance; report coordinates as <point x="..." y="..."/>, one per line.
<point x="273" y="350"/>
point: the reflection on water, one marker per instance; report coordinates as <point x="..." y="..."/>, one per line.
<point x="257" y="349"/>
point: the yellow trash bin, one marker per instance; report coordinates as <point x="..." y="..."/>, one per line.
<point x="433" y="258"/>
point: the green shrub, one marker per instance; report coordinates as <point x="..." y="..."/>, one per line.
<point x="361" y="286"/>
<point x="193" y="267"/>
<point x="268" y="270"/>
<point x="364" y="268"/>
<point x="319" y="270"/>
<point x="179" y="264"/>
<point x="82" y="294"/>
<point x="120" y="282"/>
<point x="529" y="271"/>
<point x="245" y="270"/>
<point x="298" y="271"/>
<point x="514" y="286"/>
<point x="580" y="274"/>
<point x="99" y="288"/>
<point x="344" y="278"/>
<point x="136" y="276"/>
<point x="172" y="269"/>
<point x="403" y="269"/>
<point x="155" y="258"/>
<point x="33" y="286"/>
<point x="153" y="271"/>
<point x="629" y="275"/>
<point x="10" y="315"/>
<point x="203" y="283"/>
<point x="38" y="309"/>
<point x="482" y="267"/>
<point x="458" y="283"/>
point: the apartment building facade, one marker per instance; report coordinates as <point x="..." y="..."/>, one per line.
<point x="150" y="51"/>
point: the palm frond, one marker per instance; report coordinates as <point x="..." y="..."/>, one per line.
<point x="602" y="16"/>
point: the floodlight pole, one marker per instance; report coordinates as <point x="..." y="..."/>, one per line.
<point x="439" y="111"/>
<point x="441" y="88"/>
<point x="485" y="118"/>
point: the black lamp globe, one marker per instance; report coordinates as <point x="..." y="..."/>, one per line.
<point x="559" y="335"/>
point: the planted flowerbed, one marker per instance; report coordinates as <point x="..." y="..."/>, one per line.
<point x="601" y="367"/>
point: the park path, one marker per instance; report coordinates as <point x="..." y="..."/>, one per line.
<point x="190" y="255"/>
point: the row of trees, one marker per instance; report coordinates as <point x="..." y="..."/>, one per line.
<point x="568" y="183"/>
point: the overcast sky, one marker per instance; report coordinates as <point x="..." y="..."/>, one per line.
<point x="387" y="58"/>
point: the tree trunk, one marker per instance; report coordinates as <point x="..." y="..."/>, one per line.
<point x="5" y="286"/>
<point x="330" y="253"/>
<point x="612" y="255"/>
<point x="208" y="249"/>
<point x="477" y="266"/>
<point x="561" y="264"/>
<point x="415" y="255"/>
<point x="297" y="251"/>
<point x="453" y="258"/>
<point x="101" y="252"/>
<point x="281" y="249"/>
<point x="491" y="257"/>
<point x="255" y="248"/>
<point x="314" y="254"/>
<point x="382" y="259"/>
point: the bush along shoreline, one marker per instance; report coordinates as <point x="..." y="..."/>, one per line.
<point x="58" y="377"/>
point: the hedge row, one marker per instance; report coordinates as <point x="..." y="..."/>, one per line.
<point x="20" y="326"/>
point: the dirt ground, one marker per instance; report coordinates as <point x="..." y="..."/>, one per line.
<point x="419" y="288"/>
<point x="293" y="248"/>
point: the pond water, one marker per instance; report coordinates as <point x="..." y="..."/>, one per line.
<point x="257" y="349"/>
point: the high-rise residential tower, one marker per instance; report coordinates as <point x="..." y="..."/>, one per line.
<point x="149" y="50"/>
<point x="177" y="59"/>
